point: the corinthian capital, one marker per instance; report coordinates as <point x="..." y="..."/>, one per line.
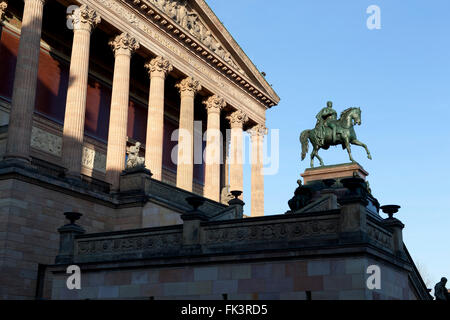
<point x="3" y="6"/>
<point x="214" y="104"/>
<point x="124" y="44"/>
<point x="189" y="85"/>
<point x="84" y="18"/>
<point x="237" y="119"/>
<point x="159" y="66"/>
<point x="259" y="130"/>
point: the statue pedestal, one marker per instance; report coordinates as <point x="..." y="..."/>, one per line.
<point x="338" y="171"/>
<point x="135" y="180"/>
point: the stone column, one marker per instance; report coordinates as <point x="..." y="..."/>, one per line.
<point x="158" y="69"/>
<point x="84" y="21"/>
<point x="25" y="82"/>
<point x="185" y="170"/>
<point x="237" y="120"/>
<point x="257" y="134"/>
<point x="123" y="46"/>
<point x="214" y="145"/>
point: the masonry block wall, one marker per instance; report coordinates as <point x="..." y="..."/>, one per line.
<point x="328" y="278"/>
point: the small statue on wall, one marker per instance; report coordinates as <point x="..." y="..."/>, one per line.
<point x="225" y="195"/>
<point x="133" y="159"/>
<point x="440" y="291"/>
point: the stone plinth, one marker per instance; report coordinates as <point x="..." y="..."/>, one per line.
<point x="137" y="179"/>
<point x="334" y="172"/>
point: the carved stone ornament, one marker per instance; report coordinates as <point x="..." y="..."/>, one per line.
<point x="134" y="161"/>
<point x="159" y="65"/>
<point x="93" y="159"/>
<point x="84" y="18"/>
<point x="259" y="130"/>
<point x="189" y="84"/>
<point x="214" y="104"/>
<point x="237" y="118"/>
<point x="3" y="6"/>
<point x="45" y="141"/>
<point x="184" y="16"/>
<point x="124" y="44"/>
<point x="225" y="195"/>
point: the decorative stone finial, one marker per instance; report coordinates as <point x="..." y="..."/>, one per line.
<point x="3" y="6"/>
<point x="237" y="118"/>
<point x="160" y="66"/>
<point x="124" y="44"/>
<point x="189" y="85"/>
<point x="195" y="202"/>
<point x="73" y="216"/>
<point x="84" y="18"/>
<point x="259" y="130"/>
<point x="390" y="210"/>
<point x="214" y="104"/>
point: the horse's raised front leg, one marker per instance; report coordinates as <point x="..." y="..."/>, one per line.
<point x="349" y="150"/>
<point x="359" y="143"/>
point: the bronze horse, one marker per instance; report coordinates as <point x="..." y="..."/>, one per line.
<point x="345" y="136"/>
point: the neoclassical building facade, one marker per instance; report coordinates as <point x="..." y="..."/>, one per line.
<point x="135" y="71"/>
<point x="82" y="81"/>
<point x="127" y="118"/>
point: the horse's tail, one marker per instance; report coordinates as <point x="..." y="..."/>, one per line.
<point x="304" y="141"/>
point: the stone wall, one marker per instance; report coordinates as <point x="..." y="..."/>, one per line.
<point x="29" y="218"/>
<point x="330" y="278"/>
<point x="322" y="255"/>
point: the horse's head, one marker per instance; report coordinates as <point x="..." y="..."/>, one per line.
<point x="350" y="117"/>
<point x="356" y="116"/>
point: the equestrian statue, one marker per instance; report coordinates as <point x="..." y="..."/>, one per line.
<point x="330" y="131"/>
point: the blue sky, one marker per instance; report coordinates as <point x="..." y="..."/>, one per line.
<point x="319" y="50"/>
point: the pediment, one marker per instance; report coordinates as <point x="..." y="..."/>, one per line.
<point x="198" y="21"/>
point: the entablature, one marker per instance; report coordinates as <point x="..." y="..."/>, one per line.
<point x="156" y="36"/>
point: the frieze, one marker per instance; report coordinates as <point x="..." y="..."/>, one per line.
<point x="188" y="19"/>
<point x="380" y="236"/>
<point x="94" y="160"/>
<point x="45" y="141"/>
<point x="129" y="244"/>
<point x="214" y="76"/>
<point x="280" y="231"/>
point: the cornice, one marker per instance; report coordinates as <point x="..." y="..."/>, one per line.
<point x="237" y="48"/>
<point x="169" y="26"/>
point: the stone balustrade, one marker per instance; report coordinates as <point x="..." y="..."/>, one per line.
<point x="239" y="236"/>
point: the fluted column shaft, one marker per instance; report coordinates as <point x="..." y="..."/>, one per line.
<point x="237" y="120"/>
<point x="257" y="134"/>
<point x="84" y="20"/>
<point x="25" y="82"/>
<point x="158" y="69"/>
<point x="213" y="148"/>
<point x="185" y="168"/>
<point x="123" y="47"/>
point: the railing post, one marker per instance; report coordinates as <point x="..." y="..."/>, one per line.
<point x="67" y="236"/>
<point x="238" y="204"/>
<point x="192" y="222"/>
<point x="396" y="226"/>
<point x="353" y="217"/>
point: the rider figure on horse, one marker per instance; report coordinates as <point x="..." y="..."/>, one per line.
<point x="326" y="118"/>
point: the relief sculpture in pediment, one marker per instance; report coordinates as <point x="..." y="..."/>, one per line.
<point x="179" y="11"/>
